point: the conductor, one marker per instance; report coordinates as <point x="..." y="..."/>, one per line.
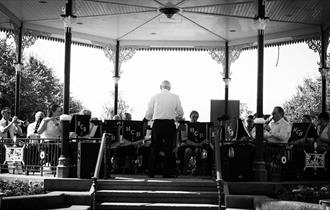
<point x="163" y="108"/>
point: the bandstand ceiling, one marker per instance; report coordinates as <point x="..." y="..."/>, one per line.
<point x="198" y="23"/>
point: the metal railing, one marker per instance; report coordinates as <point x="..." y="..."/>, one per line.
<point x="284" y="162"/>
<point x="33" y="155"/>
<point x="100" y="157"/>
<point x="288" y="162"/>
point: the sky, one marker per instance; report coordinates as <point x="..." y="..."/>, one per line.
<point x="194" y="76"/>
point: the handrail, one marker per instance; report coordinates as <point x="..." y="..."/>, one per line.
<point x="217" y="157"/>
<point x="93" y="188"/>
<point x="99" y="157"/>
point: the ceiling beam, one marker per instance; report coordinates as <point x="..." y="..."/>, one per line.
<point x="12" y="17"/>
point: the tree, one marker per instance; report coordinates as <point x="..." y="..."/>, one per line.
<point x="307" y="100"/>
<point x="244" y="110"/>
<point x="38" y="88"/>
<point x="109" y="111"/>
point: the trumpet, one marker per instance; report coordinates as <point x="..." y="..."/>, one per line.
<point x="18" y="121"/>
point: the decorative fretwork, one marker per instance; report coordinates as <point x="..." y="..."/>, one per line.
<point x="261" y="23"/>
<point x="315" y="45"/>
<point x="124" y="55"/>
<point x="68" y="21"/>
<point x="219" y="56"/>
<point x="29" y="37"/>
<point x="324" y="72"/>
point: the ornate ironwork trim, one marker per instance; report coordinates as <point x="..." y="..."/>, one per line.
<point x="29" y="36"/>
<point x="219" y="56"/>
<point x="315" y="45"/>
<point x="124" y="55"/>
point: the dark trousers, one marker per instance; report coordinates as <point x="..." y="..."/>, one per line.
<point x="162" y="139"/>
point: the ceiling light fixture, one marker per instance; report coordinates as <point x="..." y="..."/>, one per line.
<point x="169" y="10"/>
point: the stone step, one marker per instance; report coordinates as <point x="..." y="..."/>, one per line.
<point x="157" y="196"/>
<point x="158" y="184"/>
<point x="155" y="206"/>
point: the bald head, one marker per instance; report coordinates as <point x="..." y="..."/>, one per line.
<point x="39" y="115"/>
<point x="85" y="112"/>
<point x="165" y="85"/>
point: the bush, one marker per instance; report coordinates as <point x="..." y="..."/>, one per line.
<point x="18" y="187"/>
<point x="305" y="193"/>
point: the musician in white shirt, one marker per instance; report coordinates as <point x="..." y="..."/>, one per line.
<point x="50" y="127"/>
<point x="9" y="127"/>
<point x="279" y="130"/>
<point x="32" y="129"/>
<point x="163" y="108"/>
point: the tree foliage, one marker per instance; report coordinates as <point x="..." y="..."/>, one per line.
<point x="38" y="87"/>
<point x="109" y="111"/>
<point x="245" y="111"/>
<point x="307" y="100"/>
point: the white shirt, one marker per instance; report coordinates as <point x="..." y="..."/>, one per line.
<point x="14" y="129"/>
<point x="30" y="130"/>
<point x="53" y="129"/>
<point x="280" y="131"/>
<point x="164" y="105"/>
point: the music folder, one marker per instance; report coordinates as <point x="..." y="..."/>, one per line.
<point x="199" y="131"/>
<point x="80" y="124"/>
<point x="133" y="130"/>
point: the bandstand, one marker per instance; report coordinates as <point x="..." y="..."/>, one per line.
<point x="223" y="28"/>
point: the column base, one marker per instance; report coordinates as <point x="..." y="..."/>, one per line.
<point x="63" y="168"/>
<point x="259" y="171"/>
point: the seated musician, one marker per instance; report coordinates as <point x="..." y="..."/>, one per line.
<point x="9" y="127"/>
<point x="249" y="124"/>
<point x="32" y="129"/>
<point x="124" y="150"/>
<point x="144" y="149"/>
<point x="279" y="130"/>
<point x="323" y="129"/>
<point x="94" y="127"/>
<point x="50" y="127"/>
<point x="196" y="153"/>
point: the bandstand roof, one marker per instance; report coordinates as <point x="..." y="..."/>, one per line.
<point x="199" y="24"/>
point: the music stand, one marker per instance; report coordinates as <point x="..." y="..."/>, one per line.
<point x="241" y="130"/>
<point x="112" y="127"/>
<point x="133" y="130"/>
<point x="96" y="130"/>
<point x="80" y="125"/>
<point x="301" y="131"/>
<point x="235" y="130"/>
<point x="199" y="131"/>
<point x="230" y="130"/>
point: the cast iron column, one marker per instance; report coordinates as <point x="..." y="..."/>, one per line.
<point x="226" y="79"/>
<point x="260" y="173"/>
<point x="323" y="68"/>
<point x="116" y="78"/>
<point x="18" y="67"/>
<point x="63" y="168"/>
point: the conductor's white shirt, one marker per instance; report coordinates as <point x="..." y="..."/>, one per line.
<point x="164" y="105"/>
